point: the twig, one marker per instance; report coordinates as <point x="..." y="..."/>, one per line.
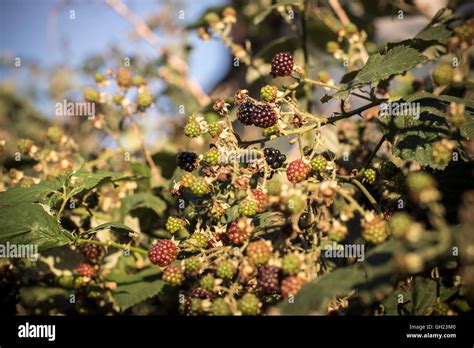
<point x="372" y="155"/>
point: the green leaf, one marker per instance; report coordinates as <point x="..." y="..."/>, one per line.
<point x="142" y="200"/>
<point x="135" y="288"/>
<point x="412" y="138"/>
<point x="39" y="193"/>
<point x="116" y="226"/>
<point x="29" y="223"/>
<point x="85" y="181"/>
<point x="381" y="67"/>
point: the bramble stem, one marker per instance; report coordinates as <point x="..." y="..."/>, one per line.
<point x="367" y="194"/>
<point x="112" y="244"/>
<point x="372" y="155"/>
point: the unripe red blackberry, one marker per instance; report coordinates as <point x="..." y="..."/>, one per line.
<point x="269" y="93"/>
<point x="245" y="112"/>
<point x="249" y="304"/>
<point x="173" y="275"/>
<point x="282" y="64"/>
<point x="259" y="252"/>
<point x="264" y="116"/>
<point x="175" y="224"/>
<point x="86" y="270"/>
<point x="291" y="264"/>
<point x="124" y="78"/>
<point x="225" y="270"/>
<point x="192" y="305"/>
<point x="211" y="157"/>
<point x="261" y="198"/>
<point x="248" y="208"/>
<point x="187" y="160"/>
<point x="200" y="187"/>
<point x="319" y="163"/>
<point x="235" y="234"/>
<point x="370" y="175"/>
<point x="268" y="278"/>
<point x="163" y="253"/>
<point x="291" y="285"/>
<point x="298" y="171"/>
<point x="219" y="307"/>
<point x="93" y="252"/>
<point x="374" y="231"/>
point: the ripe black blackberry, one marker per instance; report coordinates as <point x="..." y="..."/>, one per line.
<point x="269" y="278"/>
<point x="187" y="161"/>
<point x="274" y="157"/>
<point x="244" y="113"/>
<point x="264" y="116"/>
<point x="282" y="64"/>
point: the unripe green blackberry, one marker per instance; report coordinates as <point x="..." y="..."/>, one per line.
<point x="418" y="181"/>
<point x="99" y="77"/>
<point x="374" y="231"/>
<point x="200" y="187"/>
<point x="118" y="98"/>
<point x="144" y="100"/>
<point x="225" y="270"/>
<point x="24" y="145"/>
<point x="207" y="282"/>
<point x="66" y="281"/>
<point x="197" y="241"/>
<point x="294" y="204"/>
<point x="323" y="76"/>
<point x="215" y="129"/>
<point x="138" y="80"/>
<point x="173" y="275"/>
<point x="443" y="74"/>
<point x="399" y="224"/>
<point x="291" y="264"/>
<point x="124" y="78"/>
<point x="187" y="179"/>
<point x="274" y="187"/>
<point x="248" y="208"/>
<point x="319" y="163"/>
<point x="388" y="170"/>
<point x="351" y="28"/>
<point x="192" y="129"/>
<point x="175" y="224"/>
<point x="439" y="309"/>
<point x="332" y="47"/>
<point x="192" y="266"/>
<point x="441" y="152"/>
<point x="337" y="234"/>
<point x="259" y="252"/>
<point x="91" y="95"/>
<point x="54" y="134"/>
<point x="267" y="132"/>
<point x="269" y="93"/>
<point x="211" y="17"/>
<point x="370" y="175"/>
<point x="211" y="157"/>
<point x="249" y="304"/>
<point x="219" y="307"/>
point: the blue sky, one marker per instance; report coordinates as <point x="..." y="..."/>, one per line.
<point x="28" y="30"/>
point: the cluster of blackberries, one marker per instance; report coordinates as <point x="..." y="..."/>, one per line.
<point x="274" y="157"/>
<point x="262" y="116"/>
<point x="187" y="161"/>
